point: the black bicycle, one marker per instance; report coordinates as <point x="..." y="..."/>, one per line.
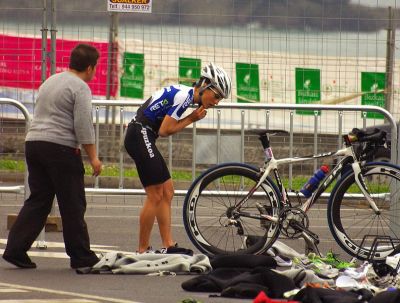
<point x="236" y="208"/>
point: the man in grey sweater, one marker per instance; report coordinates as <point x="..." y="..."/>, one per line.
<point x="62" y="123"/>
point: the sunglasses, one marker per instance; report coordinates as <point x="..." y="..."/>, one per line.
<point x="216" y="95"/>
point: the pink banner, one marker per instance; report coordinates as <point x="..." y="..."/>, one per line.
<point x="20" y="63"/>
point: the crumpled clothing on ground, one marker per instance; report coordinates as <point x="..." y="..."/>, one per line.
<point x="301" y="276"/>
<point x="381" y="283"/>
<point x="323" y="295"/>
<point x="281" y="261"/>
<point x="263" y="298"/>
<point x="321" y="269"/>
<point x="347" y="283"/>
<point x="230" y="281"/>
<point x="331" y="259"/>
<point x="283" y="250"/>
<point x="243" y="290"/>
<point x="358" y="273"/>
<point x="242" y="261"/>
<point x="122" y="263"/>
<point x="393" y="261"/>
<point x="389" y="296"/>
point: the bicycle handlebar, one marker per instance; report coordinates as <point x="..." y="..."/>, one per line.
<point x="356" y="135"/>
<point x="376" y="136"/>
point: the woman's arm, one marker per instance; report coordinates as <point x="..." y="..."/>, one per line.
<point x="170" y="126"/>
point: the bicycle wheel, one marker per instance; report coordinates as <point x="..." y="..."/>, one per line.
<point x="208" y="211"/>
<point x="356" y="227"/>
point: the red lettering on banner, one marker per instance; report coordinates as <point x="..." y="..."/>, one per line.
<point x="20" y="63"/>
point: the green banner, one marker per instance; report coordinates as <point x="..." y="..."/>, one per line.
<point x="189" y="70"/>
<point x="132" y="80"/>
<point x="247" y="83"/>
<point x="371" y="83"/>
<point x="308" y="88"/>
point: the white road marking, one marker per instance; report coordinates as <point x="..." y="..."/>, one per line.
<point x="49" y="301"/>
<point x="59" y="292"/>
<point x="45" y="254"/>
<point x="58" y="244"/>
<point x="4" y="290"/>
<point x="62" y="255"/>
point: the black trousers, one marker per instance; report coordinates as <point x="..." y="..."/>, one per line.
<point x="54" y="170"/>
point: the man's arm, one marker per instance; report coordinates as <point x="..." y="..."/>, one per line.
<point x="90" y="150"/>
<point x="170" y="126"/>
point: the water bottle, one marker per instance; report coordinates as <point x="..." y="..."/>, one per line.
<point x="314" y="181"/>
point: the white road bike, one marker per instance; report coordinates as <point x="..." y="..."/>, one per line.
<point x="235" y="208"/>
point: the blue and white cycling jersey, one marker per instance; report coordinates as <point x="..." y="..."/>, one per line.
<point x="172" y="101"/>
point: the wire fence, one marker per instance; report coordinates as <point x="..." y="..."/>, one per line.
<point x="199" y="150"/>
<point x="334" y="52"/>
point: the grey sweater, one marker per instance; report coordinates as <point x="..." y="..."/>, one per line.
<point x="63" y="112"/>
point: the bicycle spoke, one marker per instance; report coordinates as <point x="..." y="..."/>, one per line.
<point x="233" y="242"/>
<point x="221" y="199"/>
<point x="223" y="237"/>
<point x="394" y="210"/>
<point x="249" y="229"/>
<point x="353" y="216"/>
<point x="389" y="226"/>
<point x="205" y="202"/>
<point x="381" y="224"/>
<point x="362" y="230"/>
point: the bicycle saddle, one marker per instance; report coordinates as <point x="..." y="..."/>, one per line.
<point x="263" y="132"/>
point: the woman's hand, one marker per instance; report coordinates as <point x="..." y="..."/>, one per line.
<point x="198" y="114"/>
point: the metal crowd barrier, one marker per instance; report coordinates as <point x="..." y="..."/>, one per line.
<point x="19" y="189"/>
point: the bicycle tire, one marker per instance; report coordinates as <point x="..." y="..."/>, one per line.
<point x="205" y="213"/>
<point x="353" y="223"/>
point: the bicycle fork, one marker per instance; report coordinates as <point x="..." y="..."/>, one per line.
<point x="359" y="178"/>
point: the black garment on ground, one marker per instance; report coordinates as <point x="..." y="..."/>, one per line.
<point x="243" y="290"/>
<point x="389" y="296"/>
<point x="324" y="295"/>
<point x="213" y="281"/>
<point x="242" y="261"/>
<point x="230" y="281"/>
<point x="54" y="169"/>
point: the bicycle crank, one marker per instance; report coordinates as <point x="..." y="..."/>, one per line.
<point x="293" y="222"/>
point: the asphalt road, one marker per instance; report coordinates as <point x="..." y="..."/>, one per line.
<point x="113" y="225"/>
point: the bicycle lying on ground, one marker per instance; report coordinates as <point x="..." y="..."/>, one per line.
<point x="235" y="208"/>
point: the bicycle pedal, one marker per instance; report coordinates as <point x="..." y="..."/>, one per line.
<point x="311" y="244"/>
<point x="314" y="237"/>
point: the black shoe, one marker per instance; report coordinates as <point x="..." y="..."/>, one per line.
<point x="21" y="261"/>
<point x="84" y="264"/>
<point x="175" y="249"/>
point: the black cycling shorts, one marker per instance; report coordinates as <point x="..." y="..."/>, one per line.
<point x="140" y="145"/>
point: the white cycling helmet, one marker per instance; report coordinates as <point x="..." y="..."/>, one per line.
<point x="218" y="78"/>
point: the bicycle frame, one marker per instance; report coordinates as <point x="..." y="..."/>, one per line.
<point x="272" y="164"/>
